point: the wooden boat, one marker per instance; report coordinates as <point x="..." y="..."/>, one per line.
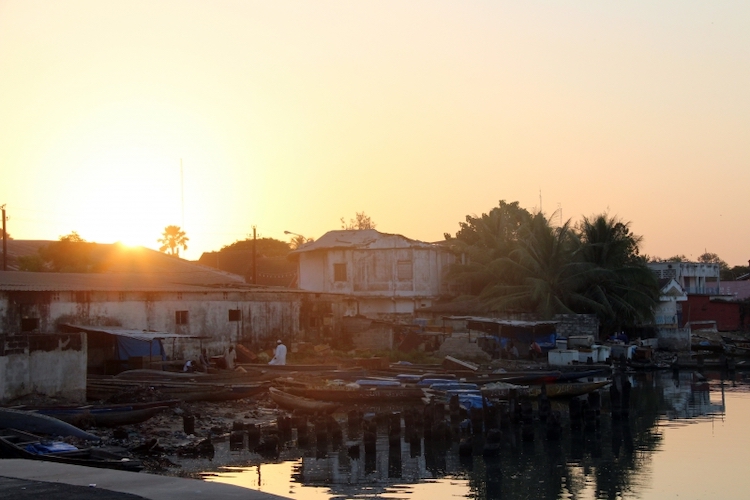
<point x="40" y="424"/>
<point x="19" y="444"/>
<point x="103" y="416"/>
<point x="298" y="403"/>
<point x="520" y="378"/>
<point x="357" y="395"/>
<point x="187" y="391"/>
<point x="200" y="377"/>
<point x="568" y="389"/>
<point x="736" y="349"/>
<point x="501" y="391"/>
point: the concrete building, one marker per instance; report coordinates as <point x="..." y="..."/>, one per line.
<point x="693" y="277"/>
<point x="385" y="276"/>
<point x="144" y="290"/>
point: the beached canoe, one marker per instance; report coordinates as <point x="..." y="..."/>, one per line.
<point x="40" y="424"/>
<point x="298" y="403"/>
<point x="19" y="444"/>
<point x="503" y="391"/>
<point x="380" y="395"/>
<point x="103" y="416"/>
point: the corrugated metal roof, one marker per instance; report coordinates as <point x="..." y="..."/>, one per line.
<point x="503" y="322"/>
<point x="362" y="238"/>
<point x="146" y="336"/>
<point x="117" y="282"/>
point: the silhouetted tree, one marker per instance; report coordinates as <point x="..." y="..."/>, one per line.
<point x="172" y="239"/>
<point x="361" y="221"/>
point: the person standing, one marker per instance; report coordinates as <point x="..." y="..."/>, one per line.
<point x="230" y="357"/>
<point x="279" y="355"/>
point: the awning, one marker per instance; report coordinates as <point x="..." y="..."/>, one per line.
<point x="144" y="335"/>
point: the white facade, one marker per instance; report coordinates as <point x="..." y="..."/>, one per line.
<point x="693" y="277"/>
<point x="384" y="274"/>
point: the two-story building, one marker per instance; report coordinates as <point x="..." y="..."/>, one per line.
<point x="385" y="276"/>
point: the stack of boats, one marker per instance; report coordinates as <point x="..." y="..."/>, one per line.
<point x="418" y="385"/>
<point x="180" y="386"/>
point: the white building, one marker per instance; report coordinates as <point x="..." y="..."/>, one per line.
<point x="693" y="277"/>
<point x="382" y="275"/>
<point x="142" y="290"/>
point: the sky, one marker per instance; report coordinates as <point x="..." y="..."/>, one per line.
<point x="119" y="118"/>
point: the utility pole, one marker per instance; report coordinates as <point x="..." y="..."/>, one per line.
<point x="255" y="260"/>
<point x="5" y="242"/>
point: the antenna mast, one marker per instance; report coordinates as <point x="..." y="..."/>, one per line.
<point x="182" y="195"/>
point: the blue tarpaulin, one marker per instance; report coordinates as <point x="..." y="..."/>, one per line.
<point x="127" y="347"/>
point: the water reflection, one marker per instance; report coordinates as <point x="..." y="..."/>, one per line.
<point x="608" y="459"/>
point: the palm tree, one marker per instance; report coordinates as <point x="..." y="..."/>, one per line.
<point x="626" y="289"/>
<point x="172" y="239"/>
<point x="542" y="274"/>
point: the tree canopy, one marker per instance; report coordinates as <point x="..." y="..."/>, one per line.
<point x="71" y="254"/>
<point x="172" y="239"/>
<point x="269" y="247"/>
<point x="361" y="221"/>
<point x="518" y="261"/>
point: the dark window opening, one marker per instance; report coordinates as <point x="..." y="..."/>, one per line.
<point x="404" y="270"/>
<point x="181" y="317"/>
<point x="235" y="315"/>
<point x="339" y="272"/>
<point x="29" y="324"/>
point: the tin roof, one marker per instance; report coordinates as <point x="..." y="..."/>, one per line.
<point x="144" y="335"/>
<point x="361" y="239"/>
<point x="125" y="269"/>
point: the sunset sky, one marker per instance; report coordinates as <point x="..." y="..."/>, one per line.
<point x="291" y="115"/>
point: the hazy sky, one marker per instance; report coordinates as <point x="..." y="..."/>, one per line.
<point x="290" y="115"/>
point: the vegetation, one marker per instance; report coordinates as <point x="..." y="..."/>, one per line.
<point x="71" y="254"/>
<point x="518" y="261"/>
<point x="361" y="221"/>
<point x="172" y="239"/>
<point x="269" y="247"/>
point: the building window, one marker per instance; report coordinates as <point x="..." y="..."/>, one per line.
<point x="226" y="295"/>
<point x="179" y="295"/>
<point x="29" y="324"/>
<point x="235" y="315"/>
<point x="181" y="317"/>
<point x="122" y="296"/>
<point x="404" y="270"/>
<point x="339" y="272"/>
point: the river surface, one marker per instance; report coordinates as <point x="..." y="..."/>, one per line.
<point x="685" y="438"/>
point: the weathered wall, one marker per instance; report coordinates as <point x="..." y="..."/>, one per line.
<point x="462" y="347"/>
<point x="577" y="324"/>
<point x="53" y="365"/>
<point x="263" y="317"/>
<point x="703" y="308"/>
<point x="674" y="339"/>
<point x="385" y="281"/>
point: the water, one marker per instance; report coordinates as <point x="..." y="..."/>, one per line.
<point x="685" y="439"/>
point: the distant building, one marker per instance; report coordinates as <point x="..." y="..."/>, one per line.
<point x="693" y="277"/>
<point x="708" y="299"/>
<point x="382" y="275"/>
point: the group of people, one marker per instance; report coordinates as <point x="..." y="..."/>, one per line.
<point x="230" y="359"/>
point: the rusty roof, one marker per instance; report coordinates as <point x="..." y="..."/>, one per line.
<point x="361" y="239"/>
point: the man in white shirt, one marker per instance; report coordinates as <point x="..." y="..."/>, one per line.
<point x="279" y="355"/>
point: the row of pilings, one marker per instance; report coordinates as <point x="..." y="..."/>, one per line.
<point x="437" y="424"/>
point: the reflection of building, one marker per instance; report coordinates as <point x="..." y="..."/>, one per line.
<point x="686" y="397"/>
<point x="387" y="275"/>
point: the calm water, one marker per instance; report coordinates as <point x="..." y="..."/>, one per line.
<point x="683" y="440"/>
